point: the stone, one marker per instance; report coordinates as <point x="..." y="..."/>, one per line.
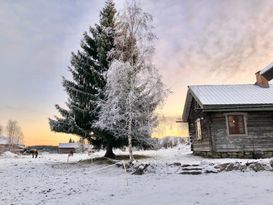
<point x="271" y="163"/>
<point x="257" y="167"/>
<point x="231" y="167"/>
<point x="140" y="169"/>
<point x="176" y="164"/>
<point x="211" y="171"/>
<point x="243" y="168"/>
<point x="221" y="167"/>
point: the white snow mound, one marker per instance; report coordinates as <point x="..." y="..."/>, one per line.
<point x="9" y="154"/>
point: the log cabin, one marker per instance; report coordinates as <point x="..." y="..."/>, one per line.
<point x="66" y="148"/>
<point x="233" y="121"/>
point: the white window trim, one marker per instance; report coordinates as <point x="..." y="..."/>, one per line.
<point x="245" y="124"/>
<point x="198" y="129"/>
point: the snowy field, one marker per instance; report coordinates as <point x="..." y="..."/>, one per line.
<point x="50" y="179"/>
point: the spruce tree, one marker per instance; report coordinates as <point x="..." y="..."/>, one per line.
<point x="88" y="66"/>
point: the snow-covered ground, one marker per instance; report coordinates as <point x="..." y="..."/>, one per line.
<point x="50" y="179"/>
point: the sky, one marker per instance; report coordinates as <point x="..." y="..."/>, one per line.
<point x="199" y="42"/>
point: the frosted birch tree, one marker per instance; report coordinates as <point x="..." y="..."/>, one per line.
<point x="134" y="88"/>
<point x="14" y="133"/>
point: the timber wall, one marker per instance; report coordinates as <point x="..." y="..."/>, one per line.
<point x="259" y="133"/>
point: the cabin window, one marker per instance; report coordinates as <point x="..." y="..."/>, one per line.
<point x="236" y="124"/>
<point x="198" y="129"/>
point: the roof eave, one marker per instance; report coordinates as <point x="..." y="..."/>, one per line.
<point x="256" y="107"/>
<point x="187" y="106"/>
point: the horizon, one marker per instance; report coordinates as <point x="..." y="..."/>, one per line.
<point x="198" y="43"/>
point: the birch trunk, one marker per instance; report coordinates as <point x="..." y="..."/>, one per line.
<point x="130" y="140"/>
<point x="130" y="148"/>
<point x="130" y="125"/>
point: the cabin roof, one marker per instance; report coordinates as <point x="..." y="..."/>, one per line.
<point x="228" y="97"/>
<point x="232" y="94"/>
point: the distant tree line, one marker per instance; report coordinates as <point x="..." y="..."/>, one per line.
<point x="170" y="142"/>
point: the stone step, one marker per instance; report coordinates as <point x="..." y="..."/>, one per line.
<point x="190" y="165"/>
<point x="191" y="172"/>
<point x="192" y="169"/>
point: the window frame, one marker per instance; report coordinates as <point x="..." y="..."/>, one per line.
<point x="244" y="120"/>
<point x="198" y="124"/>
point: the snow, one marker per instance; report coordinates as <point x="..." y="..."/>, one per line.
<point x="50" y="179"/>
<point x="267" y="68"/>
<point x="8" y="154"/>
<point x="244" y="94"/>
<point x="4" y="140"/>
<point x="69" y="145"/>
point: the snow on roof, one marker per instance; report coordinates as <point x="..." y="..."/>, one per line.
<point x="267" y="72"/>
<point x="69" y="145"/>
<point x="267" y="68"/>
<point x="4" y="140"/>
<point x="245" y="94"/>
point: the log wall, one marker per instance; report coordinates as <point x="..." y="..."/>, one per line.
<point x="259" y="133"/>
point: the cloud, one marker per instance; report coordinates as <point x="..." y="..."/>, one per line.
<point x="36" y="40"/>
<point x="210" y="42"/>
<point x="212" y="38"/>
<point x="17" y="109"/>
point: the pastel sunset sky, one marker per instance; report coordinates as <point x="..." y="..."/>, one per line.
<point x="199" y="42"/>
